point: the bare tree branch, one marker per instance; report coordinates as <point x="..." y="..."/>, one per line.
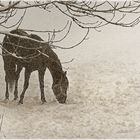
<point x="9" y="7"/>
<point x="84" y="38"/>
<point x="85" y="14"/>
<point x="47" y="31"/>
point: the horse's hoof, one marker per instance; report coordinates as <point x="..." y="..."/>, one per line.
<point x="43" y="100"/>
<point x="20" y="102"/>
<point x="15" y="99"/>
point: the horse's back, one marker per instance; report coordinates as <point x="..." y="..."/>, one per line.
<point x="25" y="47"/>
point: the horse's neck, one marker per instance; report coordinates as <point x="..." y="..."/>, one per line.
<point x="56" y="72"/>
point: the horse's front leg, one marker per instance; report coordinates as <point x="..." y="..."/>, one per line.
<point x="7" y="91"/>
<point x="41" y="74"/>
<point x="16" y="82"/>
<point x="26" y="84"/>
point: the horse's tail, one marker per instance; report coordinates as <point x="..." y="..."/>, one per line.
<point x="10" y="75"/>
<point x="9" y="64"/>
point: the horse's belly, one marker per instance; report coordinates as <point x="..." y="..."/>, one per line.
<point x="31" y="65"/>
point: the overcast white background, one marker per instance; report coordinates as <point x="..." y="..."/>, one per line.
<point x="104" y="93"/>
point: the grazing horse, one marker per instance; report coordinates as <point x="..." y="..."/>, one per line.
<point x="21" y="52"/>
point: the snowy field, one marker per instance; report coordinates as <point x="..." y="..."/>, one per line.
<point x="103" y="100"/>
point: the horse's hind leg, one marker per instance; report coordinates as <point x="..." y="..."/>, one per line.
<point x="26" y="84"/>
<point x="16" y="83"/>
<point x="41" y="74"/>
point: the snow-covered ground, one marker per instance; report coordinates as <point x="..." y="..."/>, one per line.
<point x="103" y="99"/>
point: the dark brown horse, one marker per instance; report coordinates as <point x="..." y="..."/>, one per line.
<point x="19" y="53"/>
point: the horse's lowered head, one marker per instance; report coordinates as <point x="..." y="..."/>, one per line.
<point x="60" y="88"/>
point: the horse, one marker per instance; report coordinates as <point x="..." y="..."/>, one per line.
<point x="32" y="57"/>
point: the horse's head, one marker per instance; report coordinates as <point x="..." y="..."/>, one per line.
<point x="60" y="89"/>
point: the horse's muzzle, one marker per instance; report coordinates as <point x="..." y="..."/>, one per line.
<point x="61" y="99"/>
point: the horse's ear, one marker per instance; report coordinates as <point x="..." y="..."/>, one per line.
<point x="65" y="72"/>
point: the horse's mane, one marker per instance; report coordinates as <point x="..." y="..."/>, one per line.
<point x="34" y="36"/>
<point x="19" y="32"/>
